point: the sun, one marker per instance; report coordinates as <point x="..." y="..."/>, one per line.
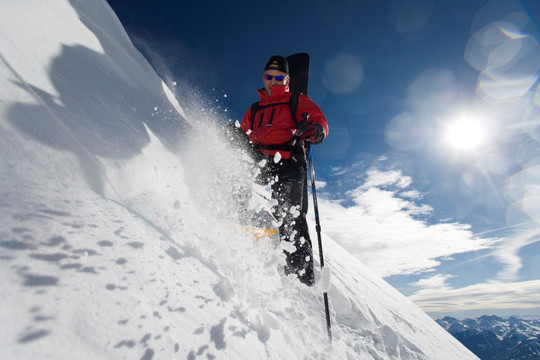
<point x="465" y="133"/>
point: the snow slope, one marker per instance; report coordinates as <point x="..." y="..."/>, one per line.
<point x="115" y="221"/>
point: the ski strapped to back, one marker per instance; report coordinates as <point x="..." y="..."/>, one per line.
<point x="298" y="72"/>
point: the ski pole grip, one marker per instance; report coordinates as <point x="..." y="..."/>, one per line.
<point x="305" y="116"/>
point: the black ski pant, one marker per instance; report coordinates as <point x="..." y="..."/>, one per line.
<point x="288" y="179"/>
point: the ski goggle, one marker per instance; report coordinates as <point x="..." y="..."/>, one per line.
<point x="277" y="77"/>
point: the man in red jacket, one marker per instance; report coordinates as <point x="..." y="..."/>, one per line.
<point x="281" y="138"/>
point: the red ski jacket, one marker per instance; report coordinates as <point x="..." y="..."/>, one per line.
<point x="275" y="125"/>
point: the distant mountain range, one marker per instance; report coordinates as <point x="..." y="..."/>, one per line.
<point x="495" y="338"/>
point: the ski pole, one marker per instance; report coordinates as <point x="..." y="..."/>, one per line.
<point x="319" y="239"/>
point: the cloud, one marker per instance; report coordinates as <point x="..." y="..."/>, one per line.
<point x="491" y="295"/>
<point x="389" y="230"/>
<point x="509" y="251"/>
<point x="435" y="282"/>
<point x="319" y="185"/>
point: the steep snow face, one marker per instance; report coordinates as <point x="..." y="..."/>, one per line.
<point x="117" y="228"/>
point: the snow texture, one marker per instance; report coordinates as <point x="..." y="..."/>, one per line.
<point x="115" y="236"/>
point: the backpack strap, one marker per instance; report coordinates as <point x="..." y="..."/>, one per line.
<point x="254" y="110"/>
<point x="293" y="104"/>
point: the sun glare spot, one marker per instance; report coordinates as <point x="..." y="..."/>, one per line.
<point x="465" y="134"/>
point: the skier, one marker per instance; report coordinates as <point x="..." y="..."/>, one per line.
<point x="281" y="126"/>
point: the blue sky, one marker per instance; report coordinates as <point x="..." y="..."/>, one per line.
<point x="446" y="214"/>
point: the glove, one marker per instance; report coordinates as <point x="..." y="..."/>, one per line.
<point x="310" y="131"/>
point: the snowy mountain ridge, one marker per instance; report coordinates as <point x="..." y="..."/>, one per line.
<point x="115" y="235"/>
<point x="496" y="338"/>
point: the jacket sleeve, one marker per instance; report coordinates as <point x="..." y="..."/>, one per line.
<point x="306" y="105"/>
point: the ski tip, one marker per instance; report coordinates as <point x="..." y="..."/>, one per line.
<point x="259" y="233"/>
